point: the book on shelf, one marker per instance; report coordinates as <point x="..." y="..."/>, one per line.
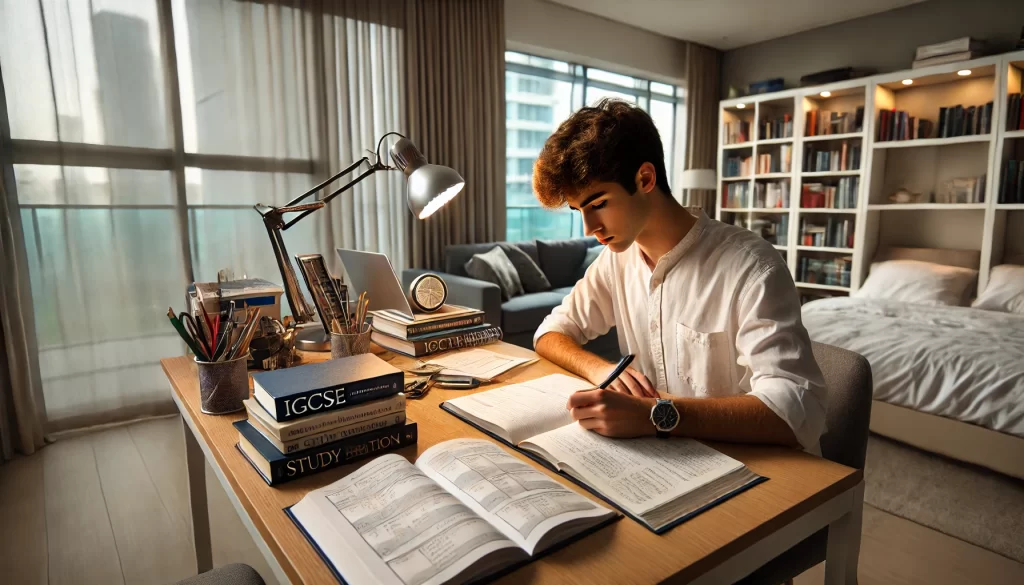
<point x="845" y="157"/>
<point x="899" y="125"/>
<point x="439" y="342"/>
<point x="737" y="132"/>
<point x="826" y="122"/>
<point x="465" y="511"/>
<point x="1014" y="112"/>
<point x="961" y="190"/>
<point x="1011" y="189"/>
<point x="736" y="195"/>
<point x="683" y="476"/>
<point x="960" y="121"/>
<point x="782" y="162"/>
<point x="276" y="467"/>
<point x="779" y="127"/>
<point x="831" y="272"/>
<point x="958" y="45"/>
<point x="771" y="195"/>
<point x="330" y="385"/>
<point x="736" y="166"/>
<point x="842" y="195"/>
<point x="833" y="233"/>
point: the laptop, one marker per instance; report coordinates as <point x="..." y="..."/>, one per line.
<point x="372" y="273"/>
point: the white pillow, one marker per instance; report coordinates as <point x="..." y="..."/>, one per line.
<point x="1005" y="290"/>
<point x="913" y="281"/>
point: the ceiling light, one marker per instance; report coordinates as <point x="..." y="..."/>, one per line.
<point x="964" y="72"/>
<point x="740" y="106"/>
<point x="908" y="81"/>
<point x="825" y="93"/>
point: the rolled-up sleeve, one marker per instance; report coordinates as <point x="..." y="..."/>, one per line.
<point x="772" y="339"/>
<point x="588" y="310"/>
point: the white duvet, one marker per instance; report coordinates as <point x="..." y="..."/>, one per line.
<point x="961" y="363"/>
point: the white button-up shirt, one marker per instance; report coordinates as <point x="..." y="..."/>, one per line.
<point x="718" y="316"/>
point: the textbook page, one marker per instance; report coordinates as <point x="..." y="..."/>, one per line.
<point x="389" y="523"/>
<point x="637" y="474"/>
<point x="519" y="411"/>
<point x="523" y="503"/>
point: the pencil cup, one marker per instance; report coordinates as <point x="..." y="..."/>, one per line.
<point x="223" y="385"/>
<point x="346" y="344"/>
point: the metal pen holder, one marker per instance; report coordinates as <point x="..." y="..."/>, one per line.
<point x="349" y="344"/>
<point x="223" y="385"/>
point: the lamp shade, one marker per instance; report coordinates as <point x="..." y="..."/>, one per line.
<point x="430" y="186"/>
<point x="698" y="179"/>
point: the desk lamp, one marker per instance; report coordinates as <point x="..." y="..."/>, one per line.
<point x="429" y="188"/>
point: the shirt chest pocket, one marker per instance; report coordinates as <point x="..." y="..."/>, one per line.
<point x="704" y="361"/>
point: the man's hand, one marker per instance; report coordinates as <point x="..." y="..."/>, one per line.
<point x="630" y="381"/>
<point x="613" y="414"/>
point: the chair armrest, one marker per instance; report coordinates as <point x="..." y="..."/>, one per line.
<point x="465" y="291"/>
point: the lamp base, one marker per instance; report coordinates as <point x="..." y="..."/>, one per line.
<point x="312" y="337"/>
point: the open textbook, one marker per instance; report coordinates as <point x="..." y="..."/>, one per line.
<point x="659" y="482"/>
<point x="466" y="510"/>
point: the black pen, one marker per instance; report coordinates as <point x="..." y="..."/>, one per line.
<point x="621" y="367"/>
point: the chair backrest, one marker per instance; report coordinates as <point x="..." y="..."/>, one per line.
<point x="848" y="412"/>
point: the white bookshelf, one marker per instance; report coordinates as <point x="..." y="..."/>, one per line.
<point x="920" y="165"/>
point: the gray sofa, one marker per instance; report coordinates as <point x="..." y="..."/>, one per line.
<point x="562" y="263"/>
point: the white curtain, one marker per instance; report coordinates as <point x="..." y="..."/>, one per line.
<point x="121" y="210"/>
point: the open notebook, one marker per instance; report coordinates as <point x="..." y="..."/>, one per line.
<point x="659" y="482"/>
<point x="466" y="510"/>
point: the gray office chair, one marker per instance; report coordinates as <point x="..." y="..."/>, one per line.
<point x="848" y="380"/>
<point x="235" y="574"/>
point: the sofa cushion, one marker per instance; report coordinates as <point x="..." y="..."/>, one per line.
<point x="560" y="259"/>
<point x="456" y="255"/>
<point x="530" y="274"/>
<point x="494" y="266"/>
<point x="588" y="259"/>
<point x="563" y="290"/>
<point x="525" y="312"/>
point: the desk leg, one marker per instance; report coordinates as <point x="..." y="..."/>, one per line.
<point x="843" y="551"/>
<point x="197" y="501"/>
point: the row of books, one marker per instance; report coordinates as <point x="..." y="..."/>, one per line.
<point x="1011" y="190"/>
<point x="899" y="125"/>
<point x="737" y="132"/>
<point x="845" y="158"/>
<point x="1015" y="112"/>
<point x="960" y="121"/>
<point x="842" y="195"/>
<point x="771" y="195"/>
<point x="834" y="233"/>
<point x="736" y="166"/>
<point x="824" y="122"/>
<point x="831" y="272"/>
<point x="736" y="195"/>
<point x="450" y="327"/>
<point x="776" y="163"/>
<point x="314" y="417"/>
<point x="781" y="127"/>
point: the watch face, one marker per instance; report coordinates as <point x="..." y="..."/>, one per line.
<point x="665" y="417"/>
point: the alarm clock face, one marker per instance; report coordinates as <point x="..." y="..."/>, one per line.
<point x="428" y="293"/>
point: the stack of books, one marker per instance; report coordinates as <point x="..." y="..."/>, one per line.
<point x="769" y="163"/>
<point x="781" y="127"/>
<point x="825" y="122"/>
<point x="311" y="418"/>
<point x="450" y="327"/>
<point x="737" y="132"/>
<point x="833" y="233"/>
<point x="956" y="50"/>
<point x="737" y="166"/>
<point x="844" y="158"/>
<point x="772" y="195"/>
<point x="842" y="195"/>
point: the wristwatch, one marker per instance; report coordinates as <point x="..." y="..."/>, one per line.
<point x="665" y="417"/>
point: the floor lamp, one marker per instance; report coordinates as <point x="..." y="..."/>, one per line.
<point x="429" y="187"/>
<point x="697" y="179"/>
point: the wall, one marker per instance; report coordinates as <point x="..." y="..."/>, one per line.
<point x="560" y="32"/>
<point x="880" y="43"/>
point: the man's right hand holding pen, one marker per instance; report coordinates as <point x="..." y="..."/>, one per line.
<point x="624" y="379"/>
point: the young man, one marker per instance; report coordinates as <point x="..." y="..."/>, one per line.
<point x="709" y="310"/>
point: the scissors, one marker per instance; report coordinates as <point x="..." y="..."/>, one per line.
<point x="197" y="333"/>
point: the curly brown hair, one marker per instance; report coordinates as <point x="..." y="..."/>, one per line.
<point x="604" y="143"/>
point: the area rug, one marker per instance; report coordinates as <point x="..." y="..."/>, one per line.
<point x="971" y="503"/>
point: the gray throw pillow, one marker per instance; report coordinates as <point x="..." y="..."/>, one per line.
<point x="529" y="273"/>
<point x="592" y="254"/>
<point x="561" y="259"/>
<point x="494" y="266"/>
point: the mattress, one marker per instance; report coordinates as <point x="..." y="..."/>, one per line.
<point x="957" y="362"/>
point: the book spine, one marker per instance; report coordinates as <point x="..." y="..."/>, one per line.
<point x="461" y="341"/>
<point x="414" y="330"/>
<point x="342" y="452"/>
<point x="340" y="418"/>
<point x="327" y="399"/>
<point x="344" y="432"/>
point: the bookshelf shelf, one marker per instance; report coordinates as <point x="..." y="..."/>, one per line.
<point x="769" y="210"/>
<point x="822" y="286"/>
<point x="924" y="206"/>
<point x="833" y="136"/>
<point x="727" y="179"/>
<point x="774" y="176"/>
<point x="775" y="140"/>
<point x="735" y="210"/>
<point x="1010" y="206"/>
<point x="919" y="142"/>
<point x="780" y="248"/>
<point x="1013" y="134"/>
<point x="737" y="145"/>
<point x="825" y="210"/>
<point x="830" y="173"/>
<point x="825" y="249"/>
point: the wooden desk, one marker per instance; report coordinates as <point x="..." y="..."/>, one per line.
<point x="803" y="495"/>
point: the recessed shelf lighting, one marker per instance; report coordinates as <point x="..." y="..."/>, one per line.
<point x="740" y="106"/>
<point x="908" y="81"/>
<point x="825" y="93"/>
<point x="964" y="72"/>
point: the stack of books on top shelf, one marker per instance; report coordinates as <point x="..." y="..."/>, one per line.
<point x="737" y="132"/>
<point x="825" y="122"/>
<point x="834" y="233"/>
<point x="781" y="127"/>
<point x="736" y="195"/>
<point x="1011" y="189"/>
<point x="1015" y="112"/>
<point x="831" y="272"/>
<point x="736" y="166"/>
<point x="954" y="51"/>
<point x="450" y="327"/>
<point x="845" y="158"/>
<point x="311" y="418"/>
<point x="840" y="196"/>
<point x="772" y="195"/>
<point x="781" y="163"/>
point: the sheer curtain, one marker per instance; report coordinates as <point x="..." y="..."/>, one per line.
<point x="143" y="131"/>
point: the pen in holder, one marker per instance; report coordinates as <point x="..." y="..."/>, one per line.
<point x="346" y="344"/>
<point x="223" y="385"/>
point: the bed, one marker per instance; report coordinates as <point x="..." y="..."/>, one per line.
<point x="947" y="379"/>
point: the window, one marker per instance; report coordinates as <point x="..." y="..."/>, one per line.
<point x="540" y="94"/>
